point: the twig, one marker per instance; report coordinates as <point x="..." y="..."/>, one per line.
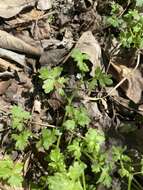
<point x="7" y="74"/>
<point x="44" y="124"/>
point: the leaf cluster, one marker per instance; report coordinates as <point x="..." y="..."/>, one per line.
<point x="52" y="80"/>
<point x="11" y="172"/>
<point x="20" y="134"/>
<point x="129" y="24"/>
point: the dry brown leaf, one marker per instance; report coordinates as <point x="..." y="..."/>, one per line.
<point x="10" y="8"/>
<point x="93" y="110"/>
<point x="32" y="15"/>
<point x="25" y="80"/>
<point x="133" y="86"/>
<point x="122" y="67"/>
<point x="44" y="4"/>
<point x="11" y="91"/>
<point x="19" y="58"/>
<point x="52" y="57"/>
<point x="37" y="106"/>
<point x="8" y="41"/>
<point x="89" y="45"/>
<point x="4" y="86"/>
<point x="5" y="65"/>
<point x="36" y="121"/>
<point x="25" y="17"/>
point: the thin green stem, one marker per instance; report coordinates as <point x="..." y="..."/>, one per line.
<point x="137" y="173"/>
<point x="83" y="181"/>
<point x="58" y="141"/>
<point x="130" y="182"/>
<point x="90" y="157"/>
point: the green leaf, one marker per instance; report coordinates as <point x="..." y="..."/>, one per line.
<point x="93" y="83"/>
<point x="60" y="84"/>
<point x="22" y="139"/>
<point x="19" y="116"/>
<point x="79" y="58"/>
<point x="17" y="124"/>
<point x="124" y="172"/>
<point x="78" y="116"/>
<point x="76" y="170"/>
<point x="48" y="138"/>
<point x="81" y="116"/>
<point x="55" y="72"/>
<point x="15" y="180"/>
<point x="105" y="178"/>
<point x="70" y="111"/>
<point x="48" y="85"/>
<point x="107" y="79"/>
<point x="57" y="160"/>
<point x="5" y="167"/>
<point x="46" y="73"/>
<point x="96" y="168"/>
<point x="18" y="112"/>
<point x="103" y="78"/>
<point x="69" y="124"/>
<point x="60" y="181"/>
<point x="75" y="148"/>
<point x="93" y="140"/>
<point x="114" y="21"/>
<point x="10" y="171"/>
<point x="139" y="3"/>
<point x="52" y="80"/>
<point x="118" y="154"/>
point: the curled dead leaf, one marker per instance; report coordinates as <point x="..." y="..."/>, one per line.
<point x="37" y="106"/>
<point x="19" y="58"/>
<point x="44" y="4"/>
<point x="8" y="41"/>
<point x="133" y="85"/>
<point x="4" y="86"/>
<point x="10" y="8"/>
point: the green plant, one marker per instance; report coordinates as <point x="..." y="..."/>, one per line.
<point x="11" y="172"/>
<point x="129" y="24"/>
<point x="79" y="58"/>
<point x="48" y="137"/>
<point x="74" y="153"/>
<point x="19" y="117"/>
<point x="57" y="160"/>
<point x="70" y="180"/>
<point x="22" y="139"/>
<point x="100" y="78"/>
<point x="76" y="117"/>
<point x="52" y="80"/>
<point x="20" y="134"/>
<point x="67" y="164"/>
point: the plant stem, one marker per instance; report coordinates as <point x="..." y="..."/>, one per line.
<point x="130" y="181"/>
<point x="58" y="141"/>
<point x="83" y="180"/>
